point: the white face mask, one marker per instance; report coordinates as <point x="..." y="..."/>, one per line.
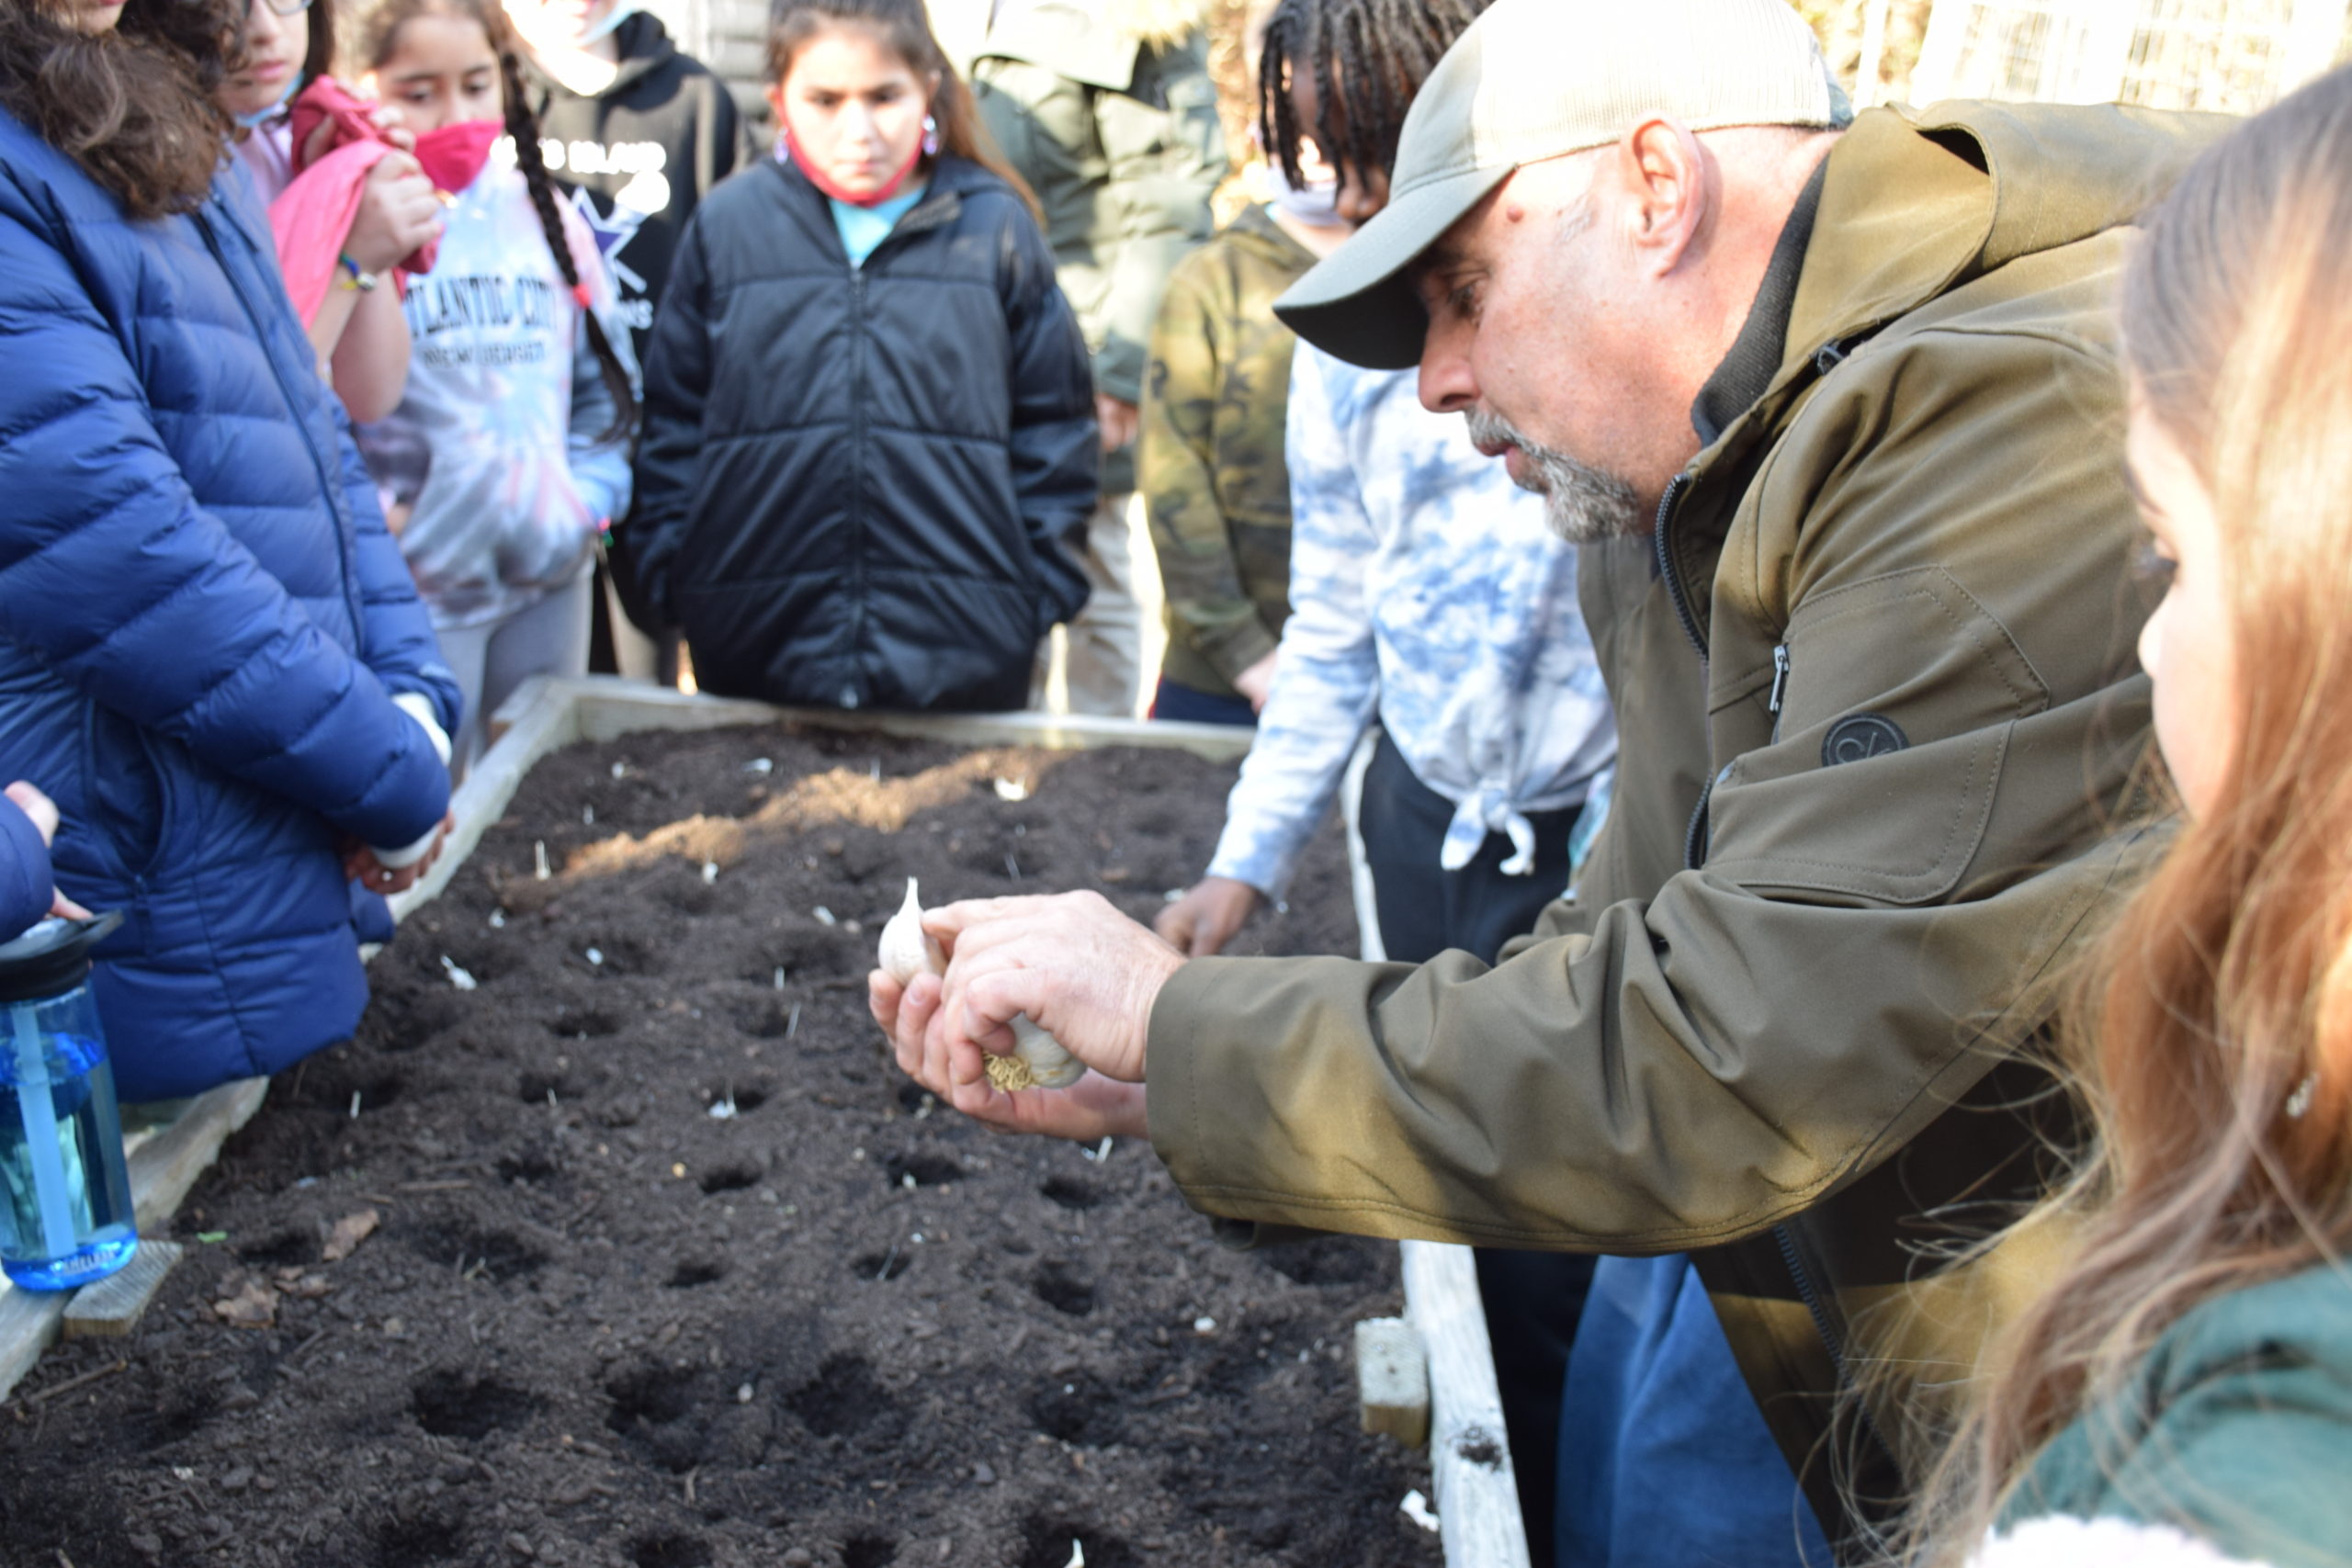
<point x="1315" y="205"/>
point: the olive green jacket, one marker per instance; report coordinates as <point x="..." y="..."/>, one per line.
<point x="1209" y="458"/>
<point x="1879" y="710"/>
<point x="2236" y="1427"/>
<point x="1106" y="108"/>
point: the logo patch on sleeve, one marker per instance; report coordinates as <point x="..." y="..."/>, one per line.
<point x="1858" y="736"/>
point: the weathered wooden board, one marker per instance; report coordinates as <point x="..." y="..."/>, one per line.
<point x="111" y="1308"/>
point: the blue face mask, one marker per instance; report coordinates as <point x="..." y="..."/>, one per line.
<point x="621" y="12"/>
<point x="1317" y="205"/>
<point x="276" y="105"/>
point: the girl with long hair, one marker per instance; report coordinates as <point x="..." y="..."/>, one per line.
<point x="360" y="336"/>
<point x="206" y="640"/>
<point x="2182" y="1394"/>
<point x="508" y="455"/>
<point x="869" y="425"/>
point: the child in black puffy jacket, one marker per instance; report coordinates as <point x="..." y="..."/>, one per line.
<point x="869" y="426"/>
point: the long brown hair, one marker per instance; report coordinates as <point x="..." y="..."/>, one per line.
<point x="2215" y="1042"/>
<point x="133" y="106"/>
<point x="904" y="28"/>
<point x="377" y="38"/>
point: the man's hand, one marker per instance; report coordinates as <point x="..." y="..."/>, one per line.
<point x="1116" y="418"/>
<point x="398" y="213"/>
<point x="1074" y="965"/>
<point x="1200" y="923"/>
<point x="43" y="812"/>
<point x="1088" y="1111"/>
<point x="360" y="864"/>
<point x="1257" y="683"/>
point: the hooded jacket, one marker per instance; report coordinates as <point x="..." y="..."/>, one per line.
<point x="203" y="624"/>
<point x="1106" y="108"/>
<point x="1881" y="710"/>
<point x="638" y="156"/>
<point x="856" y="483"/>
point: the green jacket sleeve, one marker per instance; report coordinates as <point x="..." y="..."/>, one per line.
<point x="1191" y="351"/>
<point x="1855" y="944"/>
<point x="1166" y="154"/>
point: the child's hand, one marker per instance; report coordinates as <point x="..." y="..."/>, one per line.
<point x="1116" y="417"/>
<point x="43" y="812"/>
<point x="397" y="214"/>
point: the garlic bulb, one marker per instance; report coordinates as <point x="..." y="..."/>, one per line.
<point x="906" y="951"/>
<point x="1037" y="1059"/>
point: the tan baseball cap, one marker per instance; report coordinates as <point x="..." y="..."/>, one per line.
<point x="1538" y="79"/>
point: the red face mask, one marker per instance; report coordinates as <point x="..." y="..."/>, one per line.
<point x="453" y="155"/>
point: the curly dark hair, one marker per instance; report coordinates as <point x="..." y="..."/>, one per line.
<point x="1366" y="58"/>
<point x="133" y="106"/>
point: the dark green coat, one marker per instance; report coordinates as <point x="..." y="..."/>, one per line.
<point x="1880" y="709"/>
<point x="1210" y="452"/>
<point x="1106" y="108"/>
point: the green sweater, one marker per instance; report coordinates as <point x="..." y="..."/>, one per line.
<point x="2236" y="1429"/>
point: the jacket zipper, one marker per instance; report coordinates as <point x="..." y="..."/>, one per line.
<point x="346" y="544"/>
<point x="857" y="471"/>
<point x="1779" y="688"/>
<point x="1673" y="589"/>
<point x="1822" y="1325"/>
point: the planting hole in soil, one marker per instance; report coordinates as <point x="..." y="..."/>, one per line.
<point x="670" y="1267"/>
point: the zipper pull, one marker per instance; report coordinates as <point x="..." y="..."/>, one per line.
<point x="1778" y="687"/>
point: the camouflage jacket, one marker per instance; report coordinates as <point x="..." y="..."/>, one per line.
<point x="1106" y="108"/>
<point x="1209" y="457"/>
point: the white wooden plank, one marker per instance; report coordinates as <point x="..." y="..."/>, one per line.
<point x="1392" y="1379"/>
<point x="1470" y="1466"/>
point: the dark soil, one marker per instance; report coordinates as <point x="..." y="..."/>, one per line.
<point x="600" y="1325"/>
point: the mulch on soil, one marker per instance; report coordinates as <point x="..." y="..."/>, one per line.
<point x="669" y="1266"/>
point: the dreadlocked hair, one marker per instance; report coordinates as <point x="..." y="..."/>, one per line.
<point x="379" y="33"/>
<point x="903" y="26"/>
<point x="1366" y="58"/>
<point x="132" y="106"/>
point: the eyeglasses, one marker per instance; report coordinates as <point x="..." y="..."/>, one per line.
<point x="283" y="7"/>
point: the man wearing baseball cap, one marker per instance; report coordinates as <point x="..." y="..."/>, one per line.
<point x="1835" y="409"/>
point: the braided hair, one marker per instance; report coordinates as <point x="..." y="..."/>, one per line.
<point x="523" y="127"/>
<point x="1367" y="59"/>
<point x="378" y="30"/>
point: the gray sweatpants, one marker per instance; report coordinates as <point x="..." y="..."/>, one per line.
<point x="548" y="637"/>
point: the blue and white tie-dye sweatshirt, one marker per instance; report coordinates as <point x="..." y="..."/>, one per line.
<point x="1428" y="591"/>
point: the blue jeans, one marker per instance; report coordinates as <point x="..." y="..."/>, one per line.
<point x="1665" y="1460"/>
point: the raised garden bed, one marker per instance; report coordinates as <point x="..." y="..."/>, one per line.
<point x="598" y="1324"/>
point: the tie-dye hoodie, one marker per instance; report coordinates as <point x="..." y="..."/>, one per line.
<point x="495" y="466"/>
<point x="1428" y="591"/>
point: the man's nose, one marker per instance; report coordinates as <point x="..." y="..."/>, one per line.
<point x="1447" y="382"/>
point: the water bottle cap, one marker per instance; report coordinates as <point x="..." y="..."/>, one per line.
<point x="53" y="957"/>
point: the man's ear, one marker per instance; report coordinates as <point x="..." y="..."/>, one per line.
<point x="775" y="96"/>
<point x="1668" y="185"/>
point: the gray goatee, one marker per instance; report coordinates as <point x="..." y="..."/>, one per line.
<point x="1582" y="504"/>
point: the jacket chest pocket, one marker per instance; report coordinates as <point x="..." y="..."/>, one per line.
<point x="1894" y="707"/>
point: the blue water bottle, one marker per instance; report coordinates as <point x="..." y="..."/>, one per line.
<point x="65" y="1213"/>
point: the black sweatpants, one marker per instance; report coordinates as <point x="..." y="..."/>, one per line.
<point x="1532" y="1299"/>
